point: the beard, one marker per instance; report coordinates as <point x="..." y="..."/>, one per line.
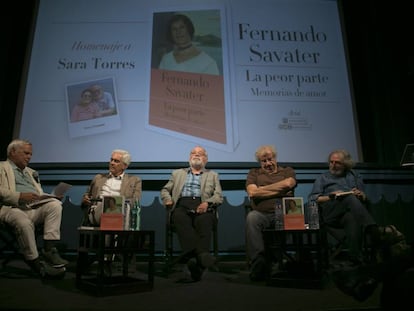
<point x="337" y="172"/>
<point x="197" y="163"/>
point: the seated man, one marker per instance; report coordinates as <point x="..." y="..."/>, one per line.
<point x="340" y="194"/>
<point x="20" y="186"/>
<point x="116" y="183"/>
<point x="349" y="211"/>
<point x="264" y="186"/>
<point x="192" y="193"/>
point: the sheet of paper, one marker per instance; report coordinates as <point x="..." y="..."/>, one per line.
<point x="61" y="189"/>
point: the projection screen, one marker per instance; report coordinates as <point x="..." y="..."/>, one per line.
<point x="277" y="74"/>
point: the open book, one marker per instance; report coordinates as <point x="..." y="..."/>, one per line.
<point x="338" y="195"/>
<point x="57" y="194"/>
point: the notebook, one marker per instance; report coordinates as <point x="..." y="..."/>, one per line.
<point x="408" y="155"/>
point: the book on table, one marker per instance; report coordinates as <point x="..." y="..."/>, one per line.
<point x="112" y="217"/>
<point x="293" y="210"/>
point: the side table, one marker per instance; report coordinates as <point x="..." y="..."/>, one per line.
<point x="109" y="248"/>
<point x="301" y="256"/>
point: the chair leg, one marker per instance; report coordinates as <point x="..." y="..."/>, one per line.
<point x="168" y="250"/>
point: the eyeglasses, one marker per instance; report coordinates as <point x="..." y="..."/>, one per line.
<point x="264" y="160"/>
<point x="200" y="154"/>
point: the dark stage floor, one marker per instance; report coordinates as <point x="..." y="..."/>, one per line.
<point x="228" y="288"/>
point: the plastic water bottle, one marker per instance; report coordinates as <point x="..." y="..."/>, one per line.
<point x="313" y="215"/>
<point x="279" y="221"/>
<point x="127" y="212"/>
<point x="135" y="218"/>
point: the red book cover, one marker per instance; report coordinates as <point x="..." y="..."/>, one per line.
<point x="294" y="217"/>
<point x="112" y="222"/>
<point x="112" y="217"/>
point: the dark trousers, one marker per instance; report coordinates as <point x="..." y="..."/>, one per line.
<point x="350" y="214"/>
<point x="193" y="230"/>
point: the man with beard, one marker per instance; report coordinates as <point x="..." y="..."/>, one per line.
<point x="192" y="194"/>
<point x="341" y="197"/>
<point x="343" y="211"/>
<point x="265" y="185"/>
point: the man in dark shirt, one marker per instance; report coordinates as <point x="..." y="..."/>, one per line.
<point x="264" y="186"/>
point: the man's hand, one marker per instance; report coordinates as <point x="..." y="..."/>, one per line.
<point x="202" y="208"/>
<point x="359" y="194"/>
<point x="28" y="197"/>
<point x="86" y="200"/>
<point x="169" y="204"/>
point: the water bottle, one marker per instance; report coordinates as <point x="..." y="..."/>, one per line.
<point x="279" y="221"/>
<point x="313" y="215"/>
<point x="135" y="218"/>
<point x="126" y="212"/>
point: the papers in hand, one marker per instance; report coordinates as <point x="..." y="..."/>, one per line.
<point x="57" y="194"/>
<point x="61" y="189"/>
<point x="338" y="195"/>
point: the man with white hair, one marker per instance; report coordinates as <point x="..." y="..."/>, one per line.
<point x="114" y="183"/>
<point x="20" y="186"/>
<point x="192" y="193"/>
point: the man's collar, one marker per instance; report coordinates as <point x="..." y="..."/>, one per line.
<point x="119" y="177"/>
<point x="201" y="172"/>
<point x="14" y="166"/>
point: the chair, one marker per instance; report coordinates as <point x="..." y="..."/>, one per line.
<point x="169" y="260"/>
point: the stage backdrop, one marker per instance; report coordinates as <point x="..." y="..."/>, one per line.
<point x="280" y="77"/>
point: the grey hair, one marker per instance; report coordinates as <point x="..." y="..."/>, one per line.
<point x="126" y="156"/>
<point x="16" y="144"/>
<point x="204" y="150"/>
<point x="262" y="150"/>
<point x="348" y="162"/>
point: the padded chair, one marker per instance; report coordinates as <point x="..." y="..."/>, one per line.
<point x="169" y="259"/>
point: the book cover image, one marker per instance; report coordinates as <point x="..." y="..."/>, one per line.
<point x="112" y="217"/>
<point x="293" y="209"/>
<point x="187" y="93"/>
<point x="92" y="107"/>
<point x="113" y="204"/>
<point x="293" y="206"/>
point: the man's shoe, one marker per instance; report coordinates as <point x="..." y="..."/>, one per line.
<point x="258" y="269"/>
<point x="49" y="272"/>
<point x="53" y="258"/>
<point x="195" y="270"/>
<point x="355" y="282"/>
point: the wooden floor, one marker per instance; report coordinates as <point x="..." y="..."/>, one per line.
<point x="229" y="288"/>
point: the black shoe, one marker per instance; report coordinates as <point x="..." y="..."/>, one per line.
<point x="49" y="272"/>
<point x="364" y="289"/>
<point x="258" y="269"/>
<point x="53" y="258"/>
<point x="195" y="270"/>
<point x="355" y="282"/>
